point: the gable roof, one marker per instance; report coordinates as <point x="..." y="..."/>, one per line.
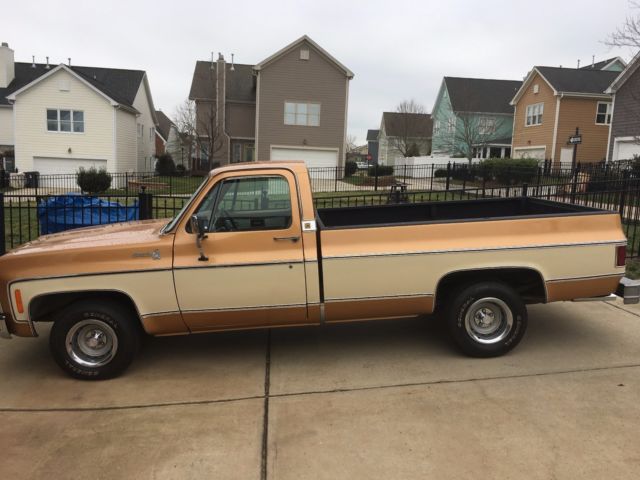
<point x="240" y="82"/>
<point x="164" y="124"/>
<point x="118" y="84"/>
<point x="297" y="42"/>
<point x="570" y="81"/>
<point x="372" y="135"/>
<point x="573" y="80"/>
<point x="410" y="124"/>
<point x="604" y="64"/>
<point x="481" y="95"/>
<point x="625" y="74"/>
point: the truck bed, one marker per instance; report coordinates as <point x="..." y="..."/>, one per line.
<point x="448" y="211"/>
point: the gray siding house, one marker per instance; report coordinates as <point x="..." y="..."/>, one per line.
<point x="624" y="136"/>
<point x="290" y="106"/>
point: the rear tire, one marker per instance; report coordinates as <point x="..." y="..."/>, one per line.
<point x="486" y="319"/>
<point x="94" y="340"/>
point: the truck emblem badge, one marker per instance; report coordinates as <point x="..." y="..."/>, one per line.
<point x="155" y="254"/>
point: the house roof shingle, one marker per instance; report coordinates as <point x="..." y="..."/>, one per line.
<point x="481" y="94"/>
<point x="164" y="124"/>
<point x="241" y="84"/>
<point x="599" y="65"/>
<point x="578" y="80"/>
<point x="372" y="135"/>
<point x="409" y="124"/>
<point x="118" y="84"/>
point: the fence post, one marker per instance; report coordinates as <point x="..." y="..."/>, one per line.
<point x="538" y="179"/>
<point x="170" y="184"/>
<point x="145" y="204"/>
<point x="448" y="175"/>
<point x="525" y="188"/>
<point x="2" y="243"/>
<point x="375" y="181"/>
<point x="126" y="183"/>
<point x="574" y="184"/>
<point x="623" y="194"/>
<point x="335" y="180"/>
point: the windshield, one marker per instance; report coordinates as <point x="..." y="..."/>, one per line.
<point x="172" y="223"/>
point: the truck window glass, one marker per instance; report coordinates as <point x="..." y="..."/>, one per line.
<point x="252" y="203"/>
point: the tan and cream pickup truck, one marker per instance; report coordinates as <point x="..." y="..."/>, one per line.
<point x="249" y="250"/>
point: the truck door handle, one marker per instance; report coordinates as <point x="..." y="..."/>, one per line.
<point x="291" y="239"/>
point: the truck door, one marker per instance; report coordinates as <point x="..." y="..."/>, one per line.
<point x="254" y="272"/>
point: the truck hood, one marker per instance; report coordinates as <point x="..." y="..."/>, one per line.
<point x="112" y="235"/>
<point x="118" y="247"/>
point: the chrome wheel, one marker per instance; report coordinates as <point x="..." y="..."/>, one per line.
<point x="91" y="343"/>
<point x="488" y="320"/>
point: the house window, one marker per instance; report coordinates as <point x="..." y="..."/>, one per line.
<point x="534" y="114"/>
<point x="451" y="125"/>
<point x="237" y="152"/>
<point x="603" y="113"/>
<point x="436" y="127"/>
<point x="306" y="114"/>
<point x="487" y="125"/>
<point x="71" y="121"/>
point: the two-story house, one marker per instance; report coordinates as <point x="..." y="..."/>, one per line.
<point x="472" y="117"/>
<point x="290" y="106"/>
<point x="403" y="134"/>
<point x="553" y="102"/>
<point x="624" y="139"/>
<point x="61" y="117"/>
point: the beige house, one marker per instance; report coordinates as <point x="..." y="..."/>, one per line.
<point x="290" y="106"/>
<point x="553" y="101"/>
<point x="59" y="118"/>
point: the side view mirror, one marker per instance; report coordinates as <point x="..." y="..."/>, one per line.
<point x="200" y="227"/>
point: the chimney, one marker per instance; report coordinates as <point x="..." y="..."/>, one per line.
<point x="33" y="61"/>
<point x="48" y="66"/>
<point x="578" y="63"/>
<point x="7" y="65"/>
<point x="593" y="61"/>
<point x="221" y="96"/>
<point x="232" y="67"/>
<point x="69" y="58"/>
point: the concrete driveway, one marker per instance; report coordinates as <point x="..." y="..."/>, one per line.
<point x="383" y="400"/>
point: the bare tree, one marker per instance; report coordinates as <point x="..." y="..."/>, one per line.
<point x="628" y="34"/>
<point x="410" y="129"/>
<point x="469" y="131"/>
<point x="199" y="122"/>
<point x="352" y="146"/>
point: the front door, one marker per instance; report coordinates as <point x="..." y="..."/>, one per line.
<point x="254" y="274"/>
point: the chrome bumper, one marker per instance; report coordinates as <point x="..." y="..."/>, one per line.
<point x="4" y="332"/>
<point x="629" y="290"/>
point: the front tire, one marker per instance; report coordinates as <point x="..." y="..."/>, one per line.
<point x="486" y="319"/>
<point x="93" y="340"/>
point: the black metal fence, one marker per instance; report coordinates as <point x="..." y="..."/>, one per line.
<point x="23" y="215"/>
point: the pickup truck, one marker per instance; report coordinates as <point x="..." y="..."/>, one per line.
<point x="248" y="250"/>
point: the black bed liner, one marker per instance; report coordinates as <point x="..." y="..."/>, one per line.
<point x="449" y="211"/>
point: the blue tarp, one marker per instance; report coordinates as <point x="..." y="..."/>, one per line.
<point x="65" y="212"/>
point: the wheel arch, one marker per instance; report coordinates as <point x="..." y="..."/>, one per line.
<point x="527" y="281"/>
<point x="44" y="306"/>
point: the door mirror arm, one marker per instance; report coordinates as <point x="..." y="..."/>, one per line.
<point x="200" y="227"/>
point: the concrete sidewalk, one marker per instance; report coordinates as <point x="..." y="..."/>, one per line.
<point x="389" y="399"/>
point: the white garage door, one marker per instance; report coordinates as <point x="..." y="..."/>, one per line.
<point x="529" y="153"/>
<point x="625" y="150"/>
<point x="51" y="166"/>
<point x="313" y="158"/>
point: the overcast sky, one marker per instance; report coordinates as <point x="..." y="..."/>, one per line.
<point x="397" y="49"/>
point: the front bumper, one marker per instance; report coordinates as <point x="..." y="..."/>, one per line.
<point x="629" y="290"/>
<point x="4" y="331"/>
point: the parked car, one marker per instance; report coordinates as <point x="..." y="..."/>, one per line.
<point x="249" y="250"/>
